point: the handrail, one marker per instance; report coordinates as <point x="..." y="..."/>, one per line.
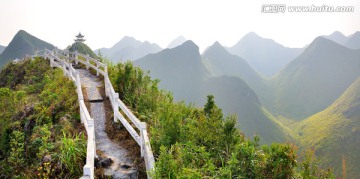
<point x="84" y="113"/>
<point x="141" y="138"/>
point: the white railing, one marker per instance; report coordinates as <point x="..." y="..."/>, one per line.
<point x="140" y="137"/>
<point x="88" y="122"/>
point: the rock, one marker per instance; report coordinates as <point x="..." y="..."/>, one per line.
<point x="46" y="159"/>
<point x="125" y="166"/>
<point x="103" y="162"/>
<point x="106" y="162"/>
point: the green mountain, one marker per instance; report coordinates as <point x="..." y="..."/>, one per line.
<point x="234" y="96"/>
<point x="315" y="79"/>
<point x="265" y="55"/>
<point x="82" y="48"/>
<point x="179" y="69"/>
<point x="182" y="71"/>
<point x="23" y="43"/>
<point x="220" y="62"/>
<point x="2" y="48"/>
<point x="334" y="132"/>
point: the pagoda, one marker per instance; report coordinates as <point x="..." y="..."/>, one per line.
<point x="80" y="38"/>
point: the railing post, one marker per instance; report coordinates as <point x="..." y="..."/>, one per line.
<point x="45" y="54"/>
<point x="97" y="69"/>
<point x="76" y="57"/>
<point x="70" y="72"/>
<point x="82" y="115"/>
<point x="87" y="62"/>
<point x="115" y="105"/>
<point x="51" y="62"/>
<point x="64" y="68"/>
<point x="142" y="130"/>
<point x="106" y="85"/>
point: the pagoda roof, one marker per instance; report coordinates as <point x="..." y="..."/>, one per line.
<point x="80" y="36"/>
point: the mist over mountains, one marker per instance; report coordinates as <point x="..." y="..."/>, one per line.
<point x="191" y="77"/>
<point x="351" y="41"/>
<point x="309" y="96"/>
<point x="176" y="42"/>
<point x="314" y="80"/>
<point x="128" y="48"/>
<point x="265" y="55"/>
<point x="354" y="41"/>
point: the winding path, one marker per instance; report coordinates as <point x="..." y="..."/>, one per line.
<point x="108" y="148"/>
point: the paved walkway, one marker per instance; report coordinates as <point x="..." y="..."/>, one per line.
<point x="103" y="143"/>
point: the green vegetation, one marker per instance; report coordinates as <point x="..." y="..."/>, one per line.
<point x="40" y="130"/>
<point x="314" y="80"/>
<point x="81" y="48"/>
<point x="191" y="142"/>
<point x="337" y="132"/>
<point x="23" y="43"/>
<point x="230" y="79"/>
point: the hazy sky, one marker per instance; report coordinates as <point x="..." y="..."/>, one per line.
<point x="105" y="22"/>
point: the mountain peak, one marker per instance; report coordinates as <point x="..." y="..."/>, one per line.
<point x="217" y="44"/>
<point x="322" y="42"/>
<point x="354" y="41"/>
<point x="176" y="42"/>
<point x="23" y="43"/>
<point x="215" y="48"/>
<point x="189" y="43"/>
<point x="337" y="37"/>
<point x="251" y="34"/>
<point x="22" y="33"/>
<point x="337" y="33"/>
<point x="253" y="39"/>
<point x="127" y="41"/>
<point x="357" y="33"/>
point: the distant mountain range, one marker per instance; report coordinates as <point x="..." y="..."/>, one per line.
<point x="2" y="48"/>
<point x="337" y="37"/>
<point x="351" y="41"/>
<point x="293" y="105"/>
<point x="128" y="48"/>
<point x="183" y="71"/>
<point x="264" y="55"/>
<point x="23" y="43"/>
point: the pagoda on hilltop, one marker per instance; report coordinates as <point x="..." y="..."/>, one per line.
<point x="79" y="38"/>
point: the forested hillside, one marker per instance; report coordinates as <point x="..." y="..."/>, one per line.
<point x="40" y="131"/>
<point x="190" y="142"/>
<point x="336" y="139"/>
